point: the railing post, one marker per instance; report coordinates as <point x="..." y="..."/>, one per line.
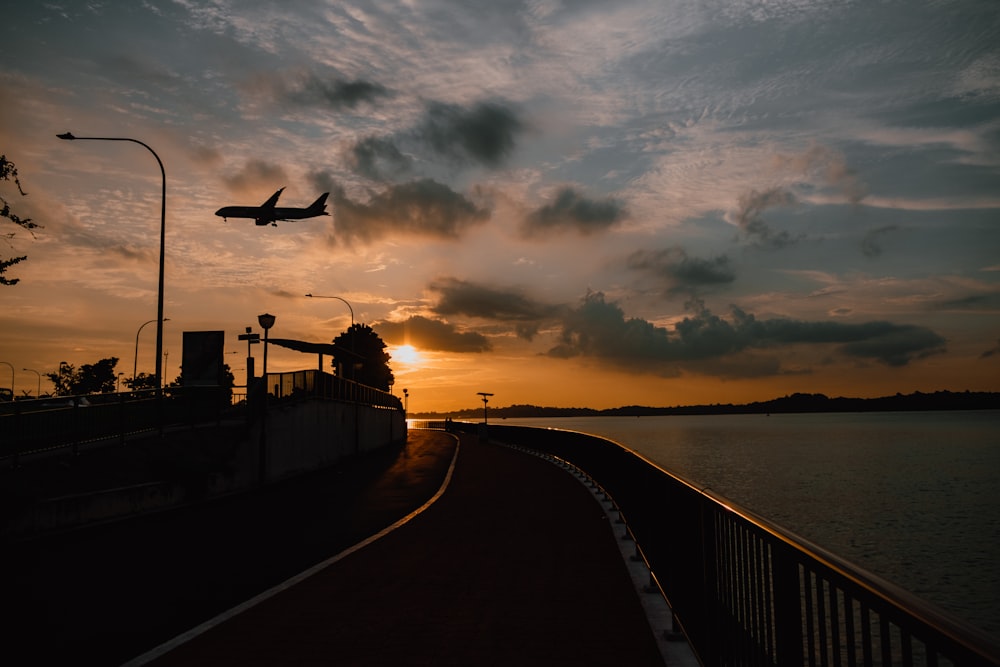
<point x="787" y="607"/>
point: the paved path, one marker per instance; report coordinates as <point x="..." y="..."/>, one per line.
<point x="514" y="564"/>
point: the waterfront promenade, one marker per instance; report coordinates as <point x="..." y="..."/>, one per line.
<point x="515" y="563"/>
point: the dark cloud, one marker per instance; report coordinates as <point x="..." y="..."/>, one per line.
<point x="337" y="93"/>
<point x="427" y="334"/>
<point x="421" y="208"/>
<point x="749" y="216"/>
<point x="458" y="297"/>
<point x="995" y="350"/>
<point x="871" y="245"/>
<point x="677" y="271"/>
<point x="379" y="159"/>
<point x="572" y="212"/>
<point x="599" y="329"/>
<point x="484" y="134"/>
<point x="310" y="89"/>
<point x="255" y="174"/>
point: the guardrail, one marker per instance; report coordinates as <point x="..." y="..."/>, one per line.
<point x="747" y="592"/>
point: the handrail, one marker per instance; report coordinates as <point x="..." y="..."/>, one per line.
<point x="747" y="591"/>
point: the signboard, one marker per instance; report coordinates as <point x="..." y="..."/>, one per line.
<point x="202" y="363"/>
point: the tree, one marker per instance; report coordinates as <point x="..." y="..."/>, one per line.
<point x="361" y="353"/>
<point x="141" y="381"/>
<point x="97" y="378"/>
<point x="8" y="172"/>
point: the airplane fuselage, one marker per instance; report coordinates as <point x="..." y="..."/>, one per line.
<point x="269" y="214"/>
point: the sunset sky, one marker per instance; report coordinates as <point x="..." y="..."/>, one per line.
<point x="562" y="203"/>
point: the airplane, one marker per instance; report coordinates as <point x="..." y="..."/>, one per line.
<point x="268" y="214"/>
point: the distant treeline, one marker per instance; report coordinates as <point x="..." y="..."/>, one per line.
<point x="939" y="400"/>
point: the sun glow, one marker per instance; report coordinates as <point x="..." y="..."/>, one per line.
<point x="406" y="354"/>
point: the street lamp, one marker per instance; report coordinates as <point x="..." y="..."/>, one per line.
<point x="320" y="296"/>
<point x="266" y="321"/>
<point x="353" y="332"/>
<point x="38" y="394"/>
<point x="11" y="378"/>
<point x="406" y="401"/>
<point x="163" y="233"/>
<point x="135" y="361"/>
<point x="485" y="401"/>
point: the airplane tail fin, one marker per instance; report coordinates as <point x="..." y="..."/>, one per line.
<point x="318" y="207"/>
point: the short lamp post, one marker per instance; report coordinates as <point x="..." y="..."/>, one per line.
<point x="266" y="321"/>
<point x="7" y="363"/>
<point x="68" y="136"/>
<point x="135" y="360"/>
<point x="38" y="392"/>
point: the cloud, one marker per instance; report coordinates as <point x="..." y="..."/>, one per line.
<point x="676" y="271"/>
<point x="599" y="329"/>
<point x="422" y="208"/>
<point x="255" y="174"/>
<point x="378" y="159"/>
<point x="484" y="134"/>
<point x="573" y="212"/>
<point x="871" y="244"/>
<point x="458" y="297"/>
<point x="995" y="350"/>
<point x="428" y="334"/>
<point x="749" y="218"/>
<point x="826" y="167"/>
<point x="309" y="89"/>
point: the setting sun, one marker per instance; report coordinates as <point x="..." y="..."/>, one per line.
<point x="405" y="354"/>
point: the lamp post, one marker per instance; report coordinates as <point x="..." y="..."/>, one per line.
<point x="11" y="378"/>
<point x="485" y="401"/>
<point x="163" y="232"/>
<point x="266" y="321"/>
<point x="38" y="394"/>
<point x="320" y="296"/>
<point x="135" y="361"/>
<point x="484" y="431"/>
<point x="406" y="401"/>
<point x="353" y="355"/>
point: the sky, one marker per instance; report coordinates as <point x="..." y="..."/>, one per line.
<point x="664" y="202"/>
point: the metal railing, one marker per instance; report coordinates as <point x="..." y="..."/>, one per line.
<point x="61" y="422"/>
<point x="747" y="592"/>
<point x="317" y="384"/>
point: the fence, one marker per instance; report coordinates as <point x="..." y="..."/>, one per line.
<point x="28" y="427"/>
<point x="747" y="592"/>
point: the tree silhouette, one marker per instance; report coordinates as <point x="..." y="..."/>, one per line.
<point x="8" y="172"/>
<point x="361" y="355"/>
<point x="97" y="378"/>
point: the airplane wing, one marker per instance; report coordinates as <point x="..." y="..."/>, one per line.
<point x="272" y="200"/>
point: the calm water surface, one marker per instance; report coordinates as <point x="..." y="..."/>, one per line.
<point x="911" y="497"/>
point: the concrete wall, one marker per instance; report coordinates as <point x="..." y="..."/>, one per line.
<point x="311" y="434"/>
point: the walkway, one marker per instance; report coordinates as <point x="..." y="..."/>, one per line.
<point x="514" y="564"/>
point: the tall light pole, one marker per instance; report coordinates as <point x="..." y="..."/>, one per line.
<point x="163" y="233"/>
<point x="353" y="355"/>
<point x="11" y="378"/>
<point x="38" y="394"/>
<point x="320" y="296"/>
<point x="135" y="361"/>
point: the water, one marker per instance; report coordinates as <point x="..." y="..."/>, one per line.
<point x="911" y="497"/>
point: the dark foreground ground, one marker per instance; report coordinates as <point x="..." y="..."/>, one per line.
<point x="514" y="565"/>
